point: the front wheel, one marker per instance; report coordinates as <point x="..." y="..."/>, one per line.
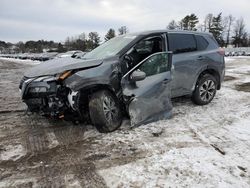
<point x="205" y="90"/>
<point x="105" y="112"/>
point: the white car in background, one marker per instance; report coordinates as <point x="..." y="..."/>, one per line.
<point x="69" y="54"/>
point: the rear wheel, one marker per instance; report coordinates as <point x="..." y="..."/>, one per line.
<point x="105" y="111"/>
<point x="205" y="90"/>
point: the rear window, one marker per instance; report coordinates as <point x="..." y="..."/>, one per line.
<point x="201" y="42"/>
<point x="215" y="42"/>
<point x="180" y="43"/>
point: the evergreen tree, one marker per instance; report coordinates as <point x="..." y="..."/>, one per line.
<point x="93" y="41"/>
<point x="189" y="22"/>
<point x="217" y="29"/>
<point x="185" y="22"/>
<point x="60" y="48"/>
<point x="193" y="20"/>
<point x="110" y="34"/>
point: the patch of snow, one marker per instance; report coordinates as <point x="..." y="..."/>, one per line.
<point x="228" y="59"/>
<point x="237" y="58"/>
<point x="241" y="129"/>
<point x="52" y="140"/>
<point x="21" y="61"/>
<point x="241" y="70"/>
<point x="18" y="183"/>
<point x="71" y="181"/>
<point x="185" y="167"/>
<point x="201" y="146"/>
<point x="12" y="152"/>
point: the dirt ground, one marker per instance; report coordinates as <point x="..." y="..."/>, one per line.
<point x="199" y="146"/>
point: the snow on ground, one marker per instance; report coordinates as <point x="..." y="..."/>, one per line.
<point x="22" y="61"/>
<point x="201" y="146"/>
<point x="12" y="152"/>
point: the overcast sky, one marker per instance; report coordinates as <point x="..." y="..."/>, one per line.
<point x="22" y="20"/>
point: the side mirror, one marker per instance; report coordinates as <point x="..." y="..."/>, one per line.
<point x="137" y="76"/>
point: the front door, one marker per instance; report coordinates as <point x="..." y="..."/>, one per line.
<point x="146" y="89"/>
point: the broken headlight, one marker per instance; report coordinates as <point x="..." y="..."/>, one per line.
<point x="45" y="79"/>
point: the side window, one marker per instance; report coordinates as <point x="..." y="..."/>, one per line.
<point x="201" y="42"/>
<point x="156" y="64"/>
<point x="144" y="46"/>
<point x="180" y="43"/>
<point x="149" y="45"/>
<point x="144" y="49"/>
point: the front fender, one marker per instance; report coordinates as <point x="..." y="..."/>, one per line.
<point x="103" y="75"/>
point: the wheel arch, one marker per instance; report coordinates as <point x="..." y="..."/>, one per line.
<point x="212" y="71"/>
<point x="85" y="94"/>
<point x="87" y="91"/>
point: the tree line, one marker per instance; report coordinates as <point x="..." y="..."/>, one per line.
<point x="92" y="40"/>
<point x="227" y="30"/>
<point x="83" y="42"/>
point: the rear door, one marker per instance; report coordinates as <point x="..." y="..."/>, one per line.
<point x="187" y="61"/>
<point x="149" y="99"/>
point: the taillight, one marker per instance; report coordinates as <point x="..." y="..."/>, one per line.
<point x="221" y="51"/>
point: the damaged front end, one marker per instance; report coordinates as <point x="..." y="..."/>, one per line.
<point x="48" y="96"/>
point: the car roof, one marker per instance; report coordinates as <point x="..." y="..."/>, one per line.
<point x="149" y="32"/>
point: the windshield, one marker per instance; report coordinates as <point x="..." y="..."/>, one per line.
<point x="110" y="48"/>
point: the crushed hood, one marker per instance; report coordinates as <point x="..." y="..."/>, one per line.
<point x="60" y="65"/>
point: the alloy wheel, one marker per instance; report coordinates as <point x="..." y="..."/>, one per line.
<point x="110" y="109"/>
<point x="207" y="90"/>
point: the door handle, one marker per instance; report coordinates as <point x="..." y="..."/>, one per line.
<point x="200" y="58"/>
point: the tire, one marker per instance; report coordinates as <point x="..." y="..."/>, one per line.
<point x="105" y="111"/>
<point x="205" y="90"/>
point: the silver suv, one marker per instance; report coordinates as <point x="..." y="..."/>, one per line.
<point x="135" y="75"/>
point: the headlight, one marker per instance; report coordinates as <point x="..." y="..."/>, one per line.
<point x="38" y="90"/>
<point x="45" y="79"/>
<point x="58" y="77"/>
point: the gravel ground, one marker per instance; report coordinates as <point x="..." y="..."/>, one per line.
<point x="206" y="146"/>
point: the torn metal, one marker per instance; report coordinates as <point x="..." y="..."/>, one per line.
<point x="150" y="98"/>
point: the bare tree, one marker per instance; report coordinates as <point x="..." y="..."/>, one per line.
<point x="181" y="27"/>
<point x="123" y="30"/>
<point x="208" y="22"/>
<point x="228" y="21"/>
<point x="172" y="25"/>
<point x="82" y="36"/>
<point x="239" y="32"/>
<point x="201" y="27"/>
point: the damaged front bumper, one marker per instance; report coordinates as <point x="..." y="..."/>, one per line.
<point x="47" y="96"/>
